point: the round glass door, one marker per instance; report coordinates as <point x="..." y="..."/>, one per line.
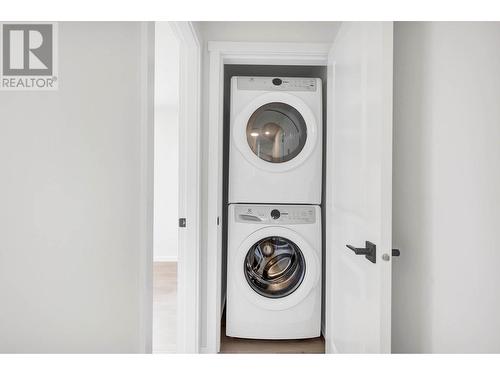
<point x="274" y="267"/>
<point x="276" y="132"/>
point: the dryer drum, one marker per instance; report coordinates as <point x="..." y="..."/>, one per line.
<point x="274" y="267"/>
<point x="276" y="132"/>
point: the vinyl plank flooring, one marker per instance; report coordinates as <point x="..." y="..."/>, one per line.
<point x="248" y="346"/>
<point x="164" y="307"/>
<point x="235" y="345"/>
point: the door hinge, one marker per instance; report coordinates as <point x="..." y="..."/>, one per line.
<point x="182" y="222"/>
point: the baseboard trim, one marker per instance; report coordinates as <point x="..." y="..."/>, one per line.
<point x="165" y="258"/>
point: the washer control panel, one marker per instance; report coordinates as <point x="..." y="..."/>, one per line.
<point x="261" y="214"/>
<point x="276" y="83"/>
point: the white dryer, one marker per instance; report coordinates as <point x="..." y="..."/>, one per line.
<point x="274" y="272"/>
<point x="275" y="140"/>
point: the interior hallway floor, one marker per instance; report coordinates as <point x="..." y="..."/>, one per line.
<point x="165" y="322"/>
<point x="164" y="307"/>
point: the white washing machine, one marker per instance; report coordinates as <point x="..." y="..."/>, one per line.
<point x="275" y="151"/>
<point x="274" y="272"/>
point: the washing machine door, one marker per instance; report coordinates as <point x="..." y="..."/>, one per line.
<point x="276" y="132"/>
<point x="276" y="268"/>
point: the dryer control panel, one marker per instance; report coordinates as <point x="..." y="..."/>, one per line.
<point x="284" y="215"/>
<point x="277" y="83"/>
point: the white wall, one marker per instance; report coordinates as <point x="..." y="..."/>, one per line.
<point x="446" y="187"/>
<point x="72" y="254"/>
<point x="166" y="186"/>
<point x="311" y="32"/>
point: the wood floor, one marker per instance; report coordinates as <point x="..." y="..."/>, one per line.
<point x="164" y="307"/>
<point x="234" y="345"/>
<point x="165" y="321"/>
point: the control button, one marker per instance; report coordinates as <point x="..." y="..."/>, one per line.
<point x="277" y="81"/>
<point x="275" y="214"/>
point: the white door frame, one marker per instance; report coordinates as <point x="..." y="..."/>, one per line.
<point x="235" y="53"/>
<point x="188" y="266"/>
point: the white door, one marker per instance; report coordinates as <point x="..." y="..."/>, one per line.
<point x="359" y="196"/>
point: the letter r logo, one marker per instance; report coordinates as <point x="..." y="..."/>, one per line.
<point x="27" y="49"/>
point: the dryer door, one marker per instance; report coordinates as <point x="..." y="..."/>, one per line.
<point x="276" y="268"/>
<point x="276" y="132"/>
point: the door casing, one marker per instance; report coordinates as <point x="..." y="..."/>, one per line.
<point x="188" y="264"/>
<point x="245" y="53"/>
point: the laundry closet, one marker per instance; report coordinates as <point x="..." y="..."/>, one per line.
<point x="298" y="196"/>
<point x="274" y="127"/>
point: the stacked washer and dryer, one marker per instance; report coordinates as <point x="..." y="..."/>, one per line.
<point x="274" y="218"/>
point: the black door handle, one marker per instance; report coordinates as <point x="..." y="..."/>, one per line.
<point x="369" y="251"/>
<point x="396" y="252"/>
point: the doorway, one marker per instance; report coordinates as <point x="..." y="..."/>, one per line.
<point x="166" y="189"/>
<point x="176" y="189"/>
<point x="221" y="54"/>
